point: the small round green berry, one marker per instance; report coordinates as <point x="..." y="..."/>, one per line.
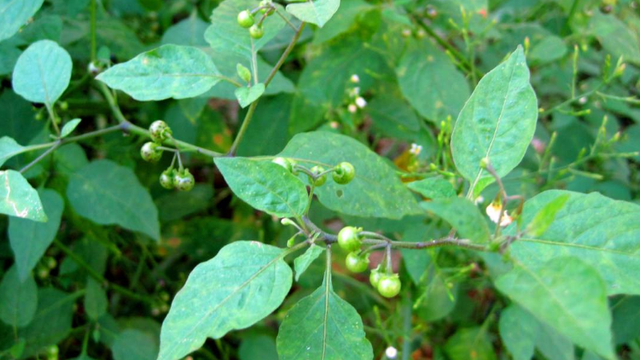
<point x="245" y="19"/>
<point x="357" y="263"/>
<point x="150" y="152"/>
<point x="317" y="170"/>
<point x="349" y="238"/>
<point x="256" y="31"/>
<point x="183" y="180"/>
<point x="159" y="131"/>
<point x="389" y="285"/>
<point x="343" y="173"/>
<point x="167" y="179"/>
<point x="375" y="276"/>
<point x="284" y="162"/>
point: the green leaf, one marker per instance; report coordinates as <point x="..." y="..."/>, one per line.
<point x="545" y="217"/>
<point x="42" y="72"/>
<point x="247" y="95"/>
<point x="323" y="326"/>
<point x="436" y="300"/>
<point x="600" y="231"/>
<point x="245" y="282"/>
<point x="342" y="21"/>
<point x="433" y="188"/>
<point x="567" y="294"/>
<point x="470" y="343"/>
<point x="14" y="14"/>
<point x="95" y="299"/>
<point x="626" y="317"/>
<point x="52" y="321"/>
<point x="109" y="194"/>
<point x="431" y="83"/>
<point x="170" y="71"/>
<point x="29" y="239"/>
<point x="18" y="299"/>
<point x="265" y="186"/>
<point x="8" y="149"/>
<point x="375" y="191"/>
<point x="551" y="48"/>
<point x="393" y="116"/>
<point x="176" y="205"/>
<point x="462" y="215"/>
<point x="302" y="262"/>
<point x="134" y="344"/>
<point x="316" y="12"/>
<point x="518" y="331"/>
<point x="19" y="198"/>
<point x="616" y="37"/>
<point x="497" y="122"/>
<point x="69" y="127"/>
<point x="261" y="347"/>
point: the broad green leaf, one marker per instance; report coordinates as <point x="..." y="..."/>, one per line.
<point x="52" y="321"/>
<point x="189" y="31"/>
<point x="431" y="83"/>
<point x="268" y="132"/>
<point x="567" y="294"/>
<point x="323" y="326"/>
<point x="170" y="71"/>
<point x="134" y="344"/>
<point x="552" y="344"/>
<point x="316" y="12"/>
<point x="302" y="262"/>
<point x="69" y="127"/>
<point x="436" y="300"/>
<point x="265" y="186"/>
<point x="14" y="14"/>
<point x="342" y="21"/>
<point x="42" y="72"/>
<point x="18" y="119"/>
<point x="109" y="194"/>
<point x="95" y="299"/>
<point x="626" y="317"/>
<point x="176" y="205"/>
<point x="393" y="116"/>
<point x="247" y="95"/>
<point x="19" y="199"/>
<point x="518" y="331"/>
<point x="18" y="299"/>
<point x="600" y="231"/>
<point x="29" y="239"/>
<point x="376" y="191"/>
<point x="545" y="217"/>
<point x="462" y="215"/>
<point x="9" y="55"/>
<point x="8" y="149"/>
<point x="470" y="343"/>
<point x="497" y="122"/>
<point x="433" y="188"/>
<point x="551" y="48"/>
<point x="615" y="37"/>
<point x="245" y="282"/>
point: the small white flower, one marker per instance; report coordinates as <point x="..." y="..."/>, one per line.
<point x="493" y="211"/>
<point x="391" y="352"/>
<point x="478" y="200"/>
<point x="415" y="149"/>
<point x="353" y="108"/>
<point x="361" y="102"/>
<point x="583" y="100"/>
<point x="355" y="79"/>
<point x="356" y="90"/>
<point x="334" y="124"/>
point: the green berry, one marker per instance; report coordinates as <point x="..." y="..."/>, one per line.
<point x="159" y="131"/>
<point x="167" y="179"/>
<point x="150" y="152"/>
<point x="375" y="276"/>
<point x="349" y="238"/>
<point x="343" y="173"/>
<point x="256" y="31"/>
<point x="183" y="180"/>
<point x="317" y="170"/>
<point x="357" y="263"/>
<point x="245" y="19"/>
<point x="389" y="285"/>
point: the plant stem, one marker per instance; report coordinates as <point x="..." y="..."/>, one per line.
<point x="569" y="101"/>
<point x="252" y="107"/>
<point x="39" y="158"/>
<point x="115" y="109"/>
<point x="98" y="277"/>
<point x="94" y="45"/>
<point x="454" y="52"/>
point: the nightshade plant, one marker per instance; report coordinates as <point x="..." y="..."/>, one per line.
<point x="408" y="179"/>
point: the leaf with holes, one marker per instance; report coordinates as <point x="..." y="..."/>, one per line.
<point x="245" y="282"/>
<point x="497" y="122"/>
